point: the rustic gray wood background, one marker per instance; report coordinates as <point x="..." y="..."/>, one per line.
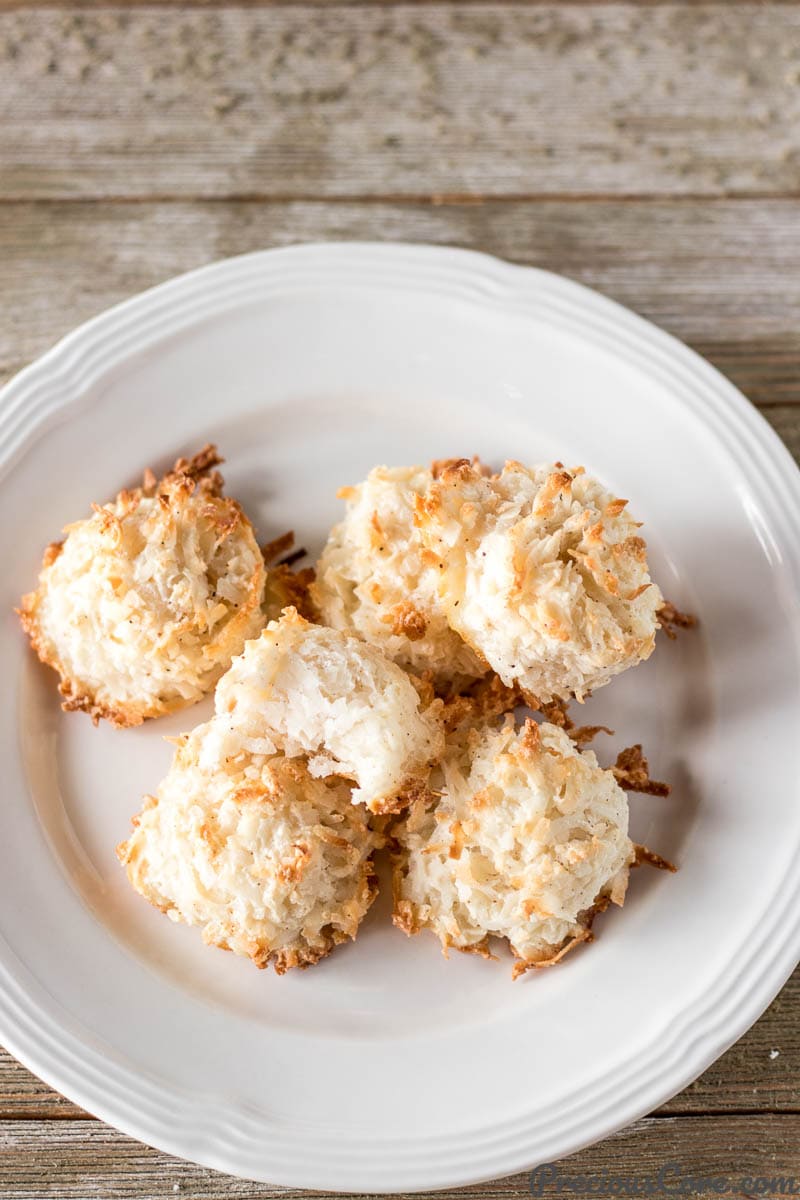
<point x="650" y="150"/>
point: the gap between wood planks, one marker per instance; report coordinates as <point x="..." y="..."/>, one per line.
<point x="434" y="199"/>
<point x="19" y="5"/>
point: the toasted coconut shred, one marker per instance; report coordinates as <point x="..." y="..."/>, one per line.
<point x="557" y="712"/>
<point x="481" y="703"/>
<point x="289" y="589"/>
<point x="143" y="605"/>
<point x="632" y="771"/>
<point x="671" y="619"/>
<point x="521" y="836"/>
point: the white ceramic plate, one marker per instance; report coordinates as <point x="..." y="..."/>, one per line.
<point x="386" y="1068"/>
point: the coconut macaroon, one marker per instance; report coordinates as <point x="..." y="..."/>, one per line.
<point x="543" y="573"/>
<point x="525" y="837"/>
<point x="377" y="579"/>
<point x="267" y="860"/>
<point x="305" y="690"/>
<point x="142" y="606"/>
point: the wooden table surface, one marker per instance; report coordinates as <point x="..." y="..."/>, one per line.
<point x="650" y="150"/>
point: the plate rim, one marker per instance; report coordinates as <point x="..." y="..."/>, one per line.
<point x="54" y="383"/>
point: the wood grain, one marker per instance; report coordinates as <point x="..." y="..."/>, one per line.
<point x="304" y="102"/>
<point x="84" y="1160"/>
<point x="723" y="276"/>
<point x="785" y="420"/>
<point x="22" y="1095"/>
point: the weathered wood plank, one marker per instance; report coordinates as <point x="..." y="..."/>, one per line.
<point x="785" y="420"/>
<point x="84" y="1160"/>
<point x="404" y="100"/>
<point x="723" y="276"/>
<point x="762" y="1070"/>
<point x="22" y="1095"/>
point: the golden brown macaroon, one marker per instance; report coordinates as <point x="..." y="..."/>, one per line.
<point x="142" y="606"/>
<point x="376" y="578"/>
<point x="266" y="860"/>
<point x="305" y="690"/>
<point x="543" y="573"/>
<point x="522" y="836"/>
